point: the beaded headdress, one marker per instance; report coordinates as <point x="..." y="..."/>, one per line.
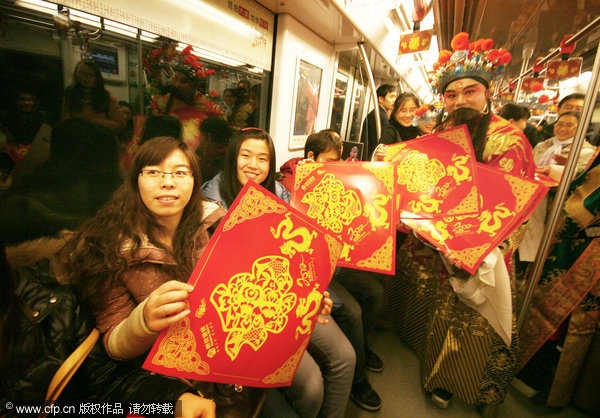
<point x="478" y="60"/>
<point x="189" y="65"/>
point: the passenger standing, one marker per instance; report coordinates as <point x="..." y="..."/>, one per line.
<point x="185" y="101"/>
<point x="386" y="96"/>
<point x="570" y="103"/>
<point x="559" y="331"/>
<point x="241" y="109"/>
<point x="87" y="98"/>
<point x="321" y="386"/>
<point x="401" y="126"/>
<point x="461" y="352"/>
<point x="518" y="116"/>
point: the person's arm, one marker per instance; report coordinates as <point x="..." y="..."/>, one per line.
<point x="134" y="335"/>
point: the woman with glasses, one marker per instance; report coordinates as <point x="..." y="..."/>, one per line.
<point x="551" y="155"/>
<point x="401" y="121"/>
<point x="131" y="261"/>
<point x="321" y="386"/>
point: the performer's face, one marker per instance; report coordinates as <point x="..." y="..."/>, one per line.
<point x="182" y="87"/>
<point x="466" y="92"/>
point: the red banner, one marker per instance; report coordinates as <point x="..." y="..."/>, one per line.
<point x="508" y="200"/>
<point x="435" y="174"/>
<point x="415" y="42"/>
<point x="355" y="202"/>
<point x="257" y="293"/>
<point x="559" y="70"/>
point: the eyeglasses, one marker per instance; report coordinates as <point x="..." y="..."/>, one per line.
<point x="179" y="174"/>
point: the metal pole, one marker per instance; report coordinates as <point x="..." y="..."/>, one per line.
<point x="365" y="59"/>
<point x="140" y="72"/>
<point x="563" y="187"/>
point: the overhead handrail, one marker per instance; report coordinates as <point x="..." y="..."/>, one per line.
<point x="593" y="25"/>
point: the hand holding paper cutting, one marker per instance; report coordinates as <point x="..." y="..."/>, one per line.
<point x="167" y="305"/>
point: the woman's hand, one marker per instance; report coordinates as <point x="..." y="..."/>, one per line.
<point x="560" y="159"/>
<point x="544" y="170"/>
<point x="326" y="306"/>
<point x="166" y="305"/>
<point x="193" y="406"/>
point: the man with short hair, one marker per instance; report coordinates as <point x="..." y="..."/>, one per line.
<point x="570" y="103"/>
<point x="386" y="96"/>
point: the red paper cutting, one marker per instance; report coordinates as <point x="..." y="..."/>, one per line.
<point x="354" y="201"/>
<point x="257" y="293"/>
<point x="507" y="201"/>
<point x="435" y="174"/>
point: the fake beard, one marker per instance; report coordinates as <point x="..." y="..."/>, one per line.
<point x="477" y="122"/>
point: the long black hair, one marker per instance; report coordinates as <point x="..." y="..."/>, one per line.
<point x="74" y="94"/>
<point x="230" y="185"/>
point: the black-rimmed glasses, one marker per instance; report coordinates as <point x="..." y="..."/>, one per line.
<point x="178" y="174"/>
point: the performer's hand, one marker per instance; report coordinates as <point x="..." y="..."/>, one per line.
<point x="326" y="306"/>
<point x="167" y="304"/>
<point x="193" y="406"/>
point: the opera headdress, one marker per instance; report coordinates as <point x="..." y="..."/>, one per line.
<point x="189" y="65"/>
<point x="425" y="114"/>
<point x="477" y="60"/>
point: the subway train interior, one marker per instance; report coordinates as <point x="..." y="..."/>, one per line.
<point x="315" y="65"/>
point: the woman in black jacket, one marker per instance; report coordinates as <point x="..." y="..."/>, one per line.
<point x="41" y="324"/>
<point x="401" y="121"/>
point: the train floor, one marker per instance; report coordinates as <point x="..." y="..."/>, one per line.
<point x="403" y="396"/>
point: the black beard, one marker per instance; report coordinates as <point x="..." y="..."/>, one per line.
<point x="477" y="123"/>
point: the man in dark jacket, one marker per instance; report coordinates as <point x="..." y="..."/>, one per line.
<point x="386" y="96"/>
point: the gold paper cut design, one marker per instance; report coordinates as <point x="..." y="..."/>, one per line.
<point x="426" y="203"/>
<point x="522" y="190"/>
<point x="201" y="309"/>
<point x="253" y="205"/>
<point x="471" y="255"/>
<point x="457" y="136"/>
<point x="307" y="308"/>
<point x="420" y="173"/>
<point x="491" y="222"/>
<point x="287" y="369"/>
<point x="334" y="247"/>
<point x="303" y="171"/>
<point x="382" y="258"/>
<point x="378" y="215"/>
<point x="470" y="204"/>
<point x="254" y="304"/>
<point x="178" y="350"/>
<point x="384" y="173"/>
<point x="460" y="170"/>
<point x="331" y="205"/>
<point x="288" y="233"/>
